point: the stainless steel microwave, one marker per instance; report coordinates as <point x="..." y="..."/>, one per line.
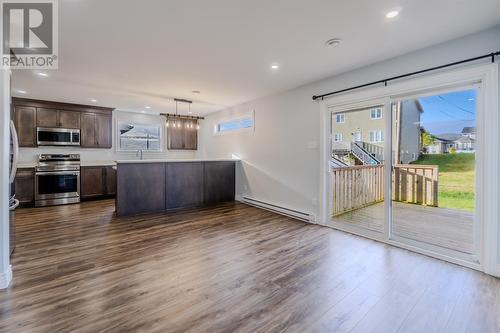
<point x="57" y="136"/>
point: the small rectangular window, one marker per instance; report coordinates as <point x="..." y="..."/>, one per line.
<point x="337" y="137"/>
<point x="234" y="125"/>
<point x="340" y="118"/>
<point x="376" y="113"/>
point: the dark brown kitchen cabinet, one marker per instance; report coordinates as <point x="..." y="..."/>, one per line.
<point x="69" y="119"/>
<point x="110" y="180"/>
<point x="96" y="130"/>
<point x="46" y="117"/>
<point x="25" y="186"/>
<point x="92" y="182"/>
<point x="25" y="122"/>
<point x="97" y="182"/>
<point x="184" y="136"/>
<point x="57" y="118"/>
<point x="94" y="122"/>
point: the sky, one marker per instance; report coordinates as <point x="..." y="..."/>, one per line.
<point x="449" y="113"/>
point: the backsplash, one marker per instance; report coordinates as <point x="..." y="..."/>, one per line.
<point x="30" y="155"/>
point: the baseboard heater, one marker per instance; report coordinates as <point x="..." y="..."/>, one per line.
<point x="279" y="209"/>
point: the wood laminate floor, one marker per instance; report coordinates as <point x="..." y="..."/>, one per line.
<point x="228" y="268"/>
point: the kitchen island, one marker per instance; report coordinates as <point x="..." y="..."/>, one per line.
<point x="148" y="186"/>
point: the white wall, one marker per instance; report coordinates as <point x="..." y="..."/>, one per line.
<point x="5" y="270"/>
<point x="281" y="157"/>
<point x="29" y="155"/>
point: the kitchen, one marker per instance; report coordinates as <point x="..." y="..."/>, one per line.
<point x="53" y="138"/>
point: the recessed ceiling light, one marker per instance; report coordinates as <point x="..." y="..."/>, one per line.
<point x="333" y="42"/>
<point x="19" y="91"/>
<point x="148" y="107"/>
<point x="275" y="66"/>
<point x="93" y="100"/>
<point x="392" y="14"/>
<point x="42" y="74"/>
<point x="196" y="91"/>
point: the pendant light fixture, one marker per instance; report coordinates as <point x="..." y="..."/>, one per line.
<point x="178" y="121"/>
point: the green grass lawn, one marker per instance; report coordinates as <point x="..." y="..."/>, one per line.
<point x="456" y="179"/>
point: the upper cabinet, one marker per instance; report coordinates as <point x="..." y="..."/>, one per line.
<point x="96" y="130"/>
<point x="184" y="136"/>
<point x="25" y="122"/>
<point x="57" y="118"/>
<point x="94" y="123"/>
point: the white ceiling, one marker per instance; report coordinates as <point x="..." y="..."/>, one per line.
<point x="132" y="53"/>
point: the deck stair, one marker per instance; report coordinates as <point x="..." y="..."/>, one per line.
<point x="363" y="155"/>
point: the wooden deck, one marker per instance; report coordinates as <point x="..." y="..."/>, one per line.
<point x="444" y="227"/>
<point x="229" y="268"/>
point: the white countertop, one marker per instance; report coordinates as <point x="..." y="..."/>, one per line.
<point x="177" y="160"/>
<point x="23" y="165"/>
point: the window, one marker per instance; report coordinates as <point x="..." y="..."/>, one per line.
<point x="340" y="118"/>
<point x="376" y="113"/>
<point x="132" y="137"/>
<point x="376" y="136"/>
<point x="238" y="124"/>
<point x="337" y="137"/>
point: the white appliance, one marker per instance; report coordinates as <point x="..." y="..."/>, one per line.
<point x="13" y="202"/>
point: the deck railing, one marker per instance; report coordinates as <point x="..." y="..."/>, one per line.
<point x="417" y="184"/>
<point x="356" y="187"/>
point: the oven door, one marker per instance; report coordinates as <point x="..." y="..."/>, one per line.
<point x="57" y="137"/>
<point x="57" y="185"/>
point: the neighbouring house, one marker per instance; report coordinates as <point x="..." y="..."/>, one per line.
<point x="464" y="142"/>
<point x="358" y="136"/>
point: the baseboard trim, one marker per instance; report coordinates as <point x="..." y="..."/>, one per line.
<point x="5" y="278"/>
<point x="296" y="214"/>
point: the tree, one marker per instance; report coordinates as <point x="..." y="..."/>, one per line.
<point x="427" y="139"/>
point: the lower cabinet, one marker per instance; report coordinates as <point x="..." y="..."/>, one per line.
<point x="25" y="186"/>
<point x="97" y="182"/>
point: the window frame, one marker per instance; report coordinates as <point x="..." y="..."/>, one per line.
<point x="342" y="116"/>
<point x="119" y="121"/>
<point x="340" y="137"/>
<point x="248" y="115"/>
<point x="377" y="111"/>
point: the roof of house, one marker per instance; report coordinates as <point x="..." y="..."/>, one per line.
<point x="448" y="137"/>
<point x="469" y="130"/>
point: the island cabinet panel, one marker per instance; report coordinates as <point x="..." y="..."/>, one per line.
<point x="25" y="122"/>
<point x="141" y="188"/>
<point x="184" y="184"/>
<point x="219" y="180"/>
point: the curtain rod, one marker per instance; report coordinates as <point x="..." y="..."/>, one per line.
<point x="491" y="55"/>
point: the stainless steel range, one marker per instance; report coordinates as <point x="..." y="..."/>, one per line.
<point x="57" y="179"/>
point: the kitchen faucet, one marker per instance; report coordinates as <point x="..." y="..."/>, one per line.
<point x="139" y="153"/>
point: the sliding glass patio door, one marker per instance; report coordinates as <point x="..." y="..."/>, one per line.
<point x="403" y="170"/>
<point x="434" y="147"/>
<point x="357" y="160"/>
